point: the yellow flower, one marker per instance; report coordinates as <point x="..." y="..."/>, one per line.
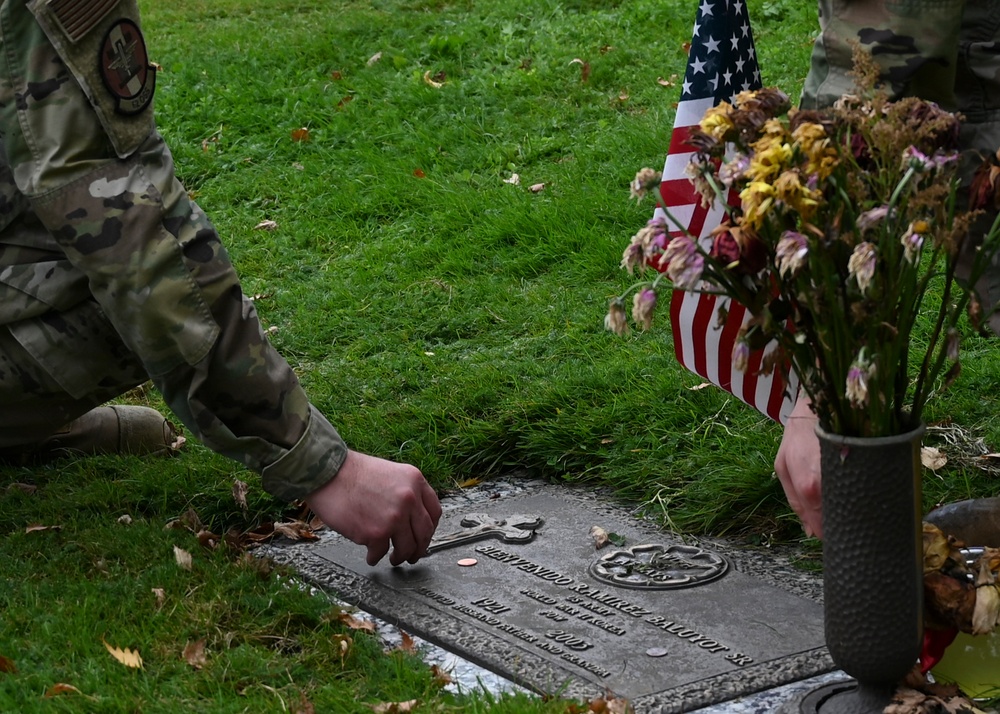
<point x="813" y="142"/>
<point x="717" y="121"/>
<point x="789" y="190"/>
<point x="757" y="198"/>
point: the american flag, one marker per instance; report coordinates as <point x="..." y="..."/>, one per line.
<point x="722" y="62"/>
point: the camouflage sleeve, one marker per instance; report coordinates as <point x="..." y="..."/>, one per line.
<point x="77" y="127"/>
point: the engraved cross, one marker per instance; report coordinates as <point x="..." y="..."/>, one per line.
<point x="477" y="526"/>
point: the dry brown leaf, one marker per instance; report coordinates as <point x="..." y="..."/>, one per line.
<point x="129" y="658"/>
<point x="537" y="187"/>
<point x="208" y="540"/>
<point x="584" y="68"/>
<point x="194" y="654"/>
<point x="56" y="689"/>
<point x="345" y="100"/>
<point x="932" y="457"/>
<point x="395" y="707"/>
<point x="303" y="706"/>
<point x="295" y="530"/>
<point x="623" y="96"/>
<point x="22" y="487"/>
<point x="667" y="82"/>
<point x="190" y="520"/>
<point x="344" y="644"/>
<point x="336" y="75"/>
<point x="429" y="81"/>
<point x="240" y="494"/>
<point x="7" y="665"/>
<point x="356" y="623"/>
<point x="35" y="528"/>
<point x="407" y="645"/>
<point x="469" y="482"/>
<point x="160" y="596"/>
<point x="300" y="135"/>
<point x="374" y="58"/>
<point x="419" y="173"/>
<point x="610" y="705"/>
<point x="267" y="225"/>
<point x="441" y="677"/>
<point x="183" y="558"/>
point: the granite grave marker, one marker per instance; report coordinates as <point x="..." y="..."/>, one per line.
<point x="517" y="585"/>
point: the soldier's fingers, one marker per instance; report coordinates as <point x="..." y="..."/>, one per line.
<point x="404" y="547"/>
<point x="377" y="550"/>
<point x="431" y="503"/>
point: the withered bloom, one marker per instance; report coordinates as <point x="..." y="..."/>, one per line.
<point x="643" y="305"/>
<point x="615" y="320"/>
<point x="645" y="180"/>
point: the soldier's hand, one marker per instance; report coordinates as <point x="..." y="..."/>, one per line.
<point x="380" y="504"/>
<point x="797" y="466"/>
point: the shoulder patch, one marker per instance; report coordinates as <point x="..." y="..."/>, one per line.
<point x="124" y="66"/>
<point x="78" y="17"/>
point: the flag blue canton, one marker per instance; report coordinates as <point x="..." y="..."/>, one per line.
<point x="722" y="61"/>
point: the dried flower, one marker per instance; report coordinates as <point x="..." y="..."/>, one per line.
<point x="684" y="263"/>
<point x="645" y="180"/>
<point x="615" y="320"/>
<point x="862" y="264"/>
<point x="791" y="253"/>
<point x="643" y="305"/>
<point x="741" y="354"/>
<point x="913" y="240"/>
<point x="857" y="381"/>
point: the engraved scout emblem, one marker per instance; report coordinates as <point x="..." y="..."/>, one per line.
<point x="125" y="68"/>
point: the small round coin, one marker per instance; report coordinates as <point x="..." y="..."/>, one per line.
<point x="467" y="562"/>
<point x="656" y="652"/>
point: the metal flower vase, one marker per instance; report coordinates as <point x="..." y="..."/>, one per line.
<point x="872" y="565"/>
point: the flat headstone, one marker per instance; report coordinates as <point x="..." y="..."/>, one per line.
<point x="516" y="584"/>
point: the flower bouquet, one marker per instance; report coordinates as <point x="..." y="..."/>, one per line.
<point x="847" y="229"/>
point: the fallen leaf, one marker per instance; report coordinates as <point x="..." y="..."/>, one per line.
<point x="932" y="458"/>
<point x="407" y="645"/>
<point x="56" y="689"/>
<point x="514" y="180"/>
<point x="429" y="81"/>
<point x="125" y="520"/>
<point x="194" y="654"/>
<point x="345" y="100"/>
<point x="7" y="665"/>
<point x="441" y="677"/>
<point x="356" y="623"/>
<point x="266" y="226"/>
<point x="240" y="494"/>
<point x="336" y="75"/>
<point x="686" y="46"/>
<point x="208" y="540"/>
<point x="373" y="59"/>
<point x="300" y="134"/>
<point x="182" y="557"/>
<point x="610" y="705"/>
<point x="295" y="530"/>
<point x="469" y="482"/>
<point x="298" y="167"/>
<point x="605" y="49"/>
<point x="537" y="188"/>
<point x="395" y="707"/>
<point x="600" y="537"/>
<point x="344" y="644"/>
<point x="38" y="527"/>
<point x="160" y="596"/>
<point x="303" y="706"/>
<point x="190" y="520"/>
<point x="272" y="329"/>
<point x="584" y="68"/>
<point x="22" y="487"/>
<point x="623" y="96"/>
<point x="127" y="657"/>
<point x="419" y="173"/>
<point x="699" y="387"/>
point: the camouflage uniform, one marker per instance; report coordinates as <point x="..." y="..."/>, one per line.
<point x="109" y="274"/>
<point x="946" y="51"/>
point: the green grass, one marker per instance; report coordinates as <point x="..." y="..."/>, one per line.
<point x="436" y="313"/>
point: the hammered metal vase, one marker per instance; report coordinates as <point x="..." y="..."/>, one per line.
<point x="872" y="564"/>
